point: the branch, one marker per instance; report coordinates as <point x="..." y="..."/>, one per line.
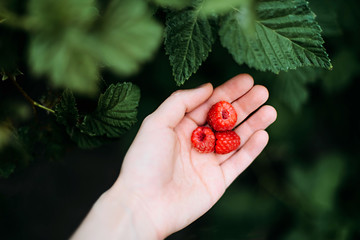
<point x="28" y="98"/>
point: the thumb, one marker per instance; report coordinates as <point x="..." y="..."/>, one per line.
<point x="174" y="108"/>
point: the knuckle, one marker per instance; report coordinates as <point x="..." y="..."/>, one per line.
<point x="148" y="119"/>
<point x="177" y="93"/>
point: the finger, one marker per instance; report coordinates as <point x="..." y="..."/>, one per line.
<point x="174" y="108"/>
<point x="229" y="91"/>
<point x="237" y="163"/>
<point x="261" y="119"/>
<point x="251" y="101"/>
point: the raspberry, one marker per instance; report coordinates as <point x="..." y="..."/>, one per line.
<point x="226" y="142"/>
<point x="203" y="139"/>
<point x="222" y="116"/>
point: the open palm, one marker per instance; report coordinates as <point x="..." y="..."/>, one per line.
<point x="173" y="183"/>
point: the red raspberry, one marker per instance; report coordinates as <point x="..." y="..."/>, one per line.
<point x="226" y="142"/>
<point x="222" y="116"/>
<point x="203" y="139"/>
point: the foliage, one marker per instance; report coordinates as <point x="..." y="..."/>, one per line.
<point x="80" y="66"/>
<point x="115" y="113"/>
<point x="188" y="40"/>
<point x="286" y="37"/>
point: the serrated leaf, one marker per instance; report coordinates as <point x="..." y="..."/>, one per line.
<point x="220" y="7"/>
<point x="84" y="141"/>
<point x="286" y="37"/>
<point x="188" y="41"/>
<point x="128" y="36"/>
<point x="116" y="111"/>
<point x="66" y="111"/>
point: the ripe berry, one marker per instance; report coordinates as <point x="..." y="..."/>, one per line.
<point x="226" y="142"/>
<point x="222" y="116"/>
<point x="203" y="139"/>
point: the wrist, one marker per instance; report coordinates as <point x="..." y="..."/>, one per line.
<point x="117" y="215"/>
<point x="131" y="207"/>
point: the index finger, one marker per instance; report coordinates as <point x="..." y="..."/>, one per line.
<point x="229" y="91"/>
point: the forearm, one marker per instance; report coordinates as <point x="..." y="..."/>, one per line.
<point x="113" y="217"/>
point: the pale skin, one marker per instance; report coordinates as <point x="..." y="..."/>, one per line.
<point x="164" y="183"/>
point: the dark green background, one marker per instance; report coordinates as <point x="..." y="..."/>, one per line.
<point x="305" y="185"/>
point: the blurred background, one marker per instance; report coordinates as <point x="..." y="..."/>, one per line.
<point x="305" y="185"/>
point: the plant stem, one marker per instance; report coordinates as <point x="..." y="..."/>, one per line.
<point x="28" y="98"/>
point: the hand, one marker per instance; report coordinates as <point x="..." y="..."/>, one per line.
<point x="164" y="181"/>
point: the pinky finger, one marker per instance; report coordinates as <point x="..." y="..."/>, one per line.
<point x="238" y="162"/>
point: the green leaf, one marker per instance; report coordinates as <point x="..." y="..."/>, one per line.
<point x="188" y="41"/>
<point x="291" y="88"/>
<point x="59" y="15"/>
<point x="66" y="111"/>
<point x="286" y="37"/>
<point x="327" y="16"/>
<point x="128" y="36"/>
<point x="66" y="63"/>
<point x="210" y="7"/>
<point x="85" y="141"/>
<point x="70" y="42"/>
<point x="116" y="111"/>
<point x="5" y="134"/>
<point x="318" y="184"/>
<point x="176" y="4"/>
<point x="4" y="76"/>
<point x="346" y="68"/>
<point x="59" y="43"/>
<point x="6" y="169"/>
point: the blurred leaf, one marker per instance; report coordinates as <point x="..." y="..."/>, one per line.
<point x="286" y="37"/>
<point x="244" y="202"/>
<point x="4" y="76"/>
<point x="177" y="4"/>
<point x="10" y="42"/>
<point x="188" y="41"/>
<point x="6" y="169"/>
<point x="5" y="134"/>
<point x="58" y="16"/>
<point x="66" y="111"/>
<point x="346" y="67"/>
<point x="66" y="62"/>
<point x="220" y="7"/>
<point x="291" y="87"/>
<point x="128" y="36"/>
<point x="116" y="111"/>
<point x="327" y="17"/>
<point x="319" y="183"/>
<point x="42" y="140"/>
<point x="58" y="44"/>
<point x="69" y="46"/>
